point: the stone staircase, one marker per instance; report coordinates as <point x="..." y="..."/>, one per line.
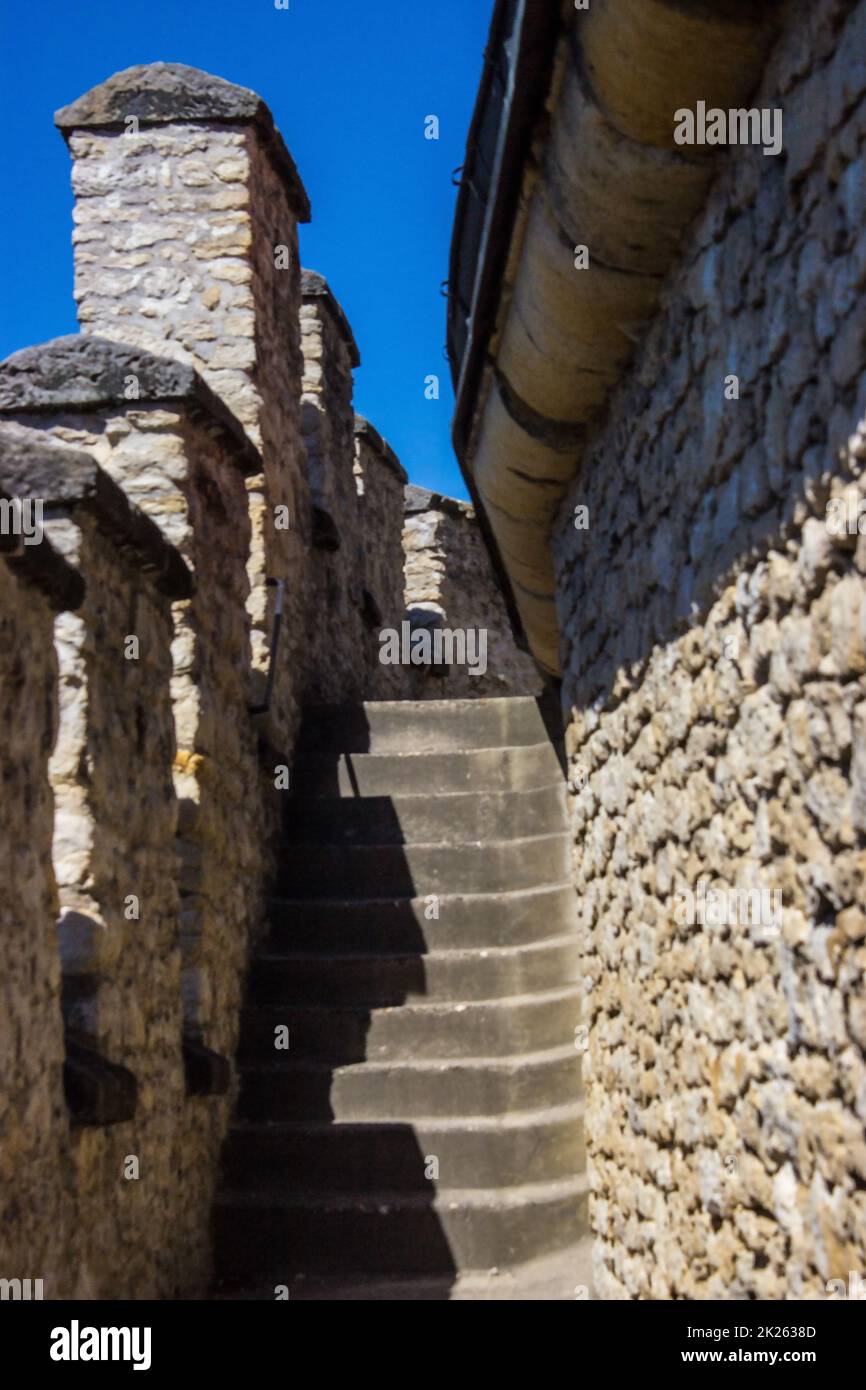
<point x="422" y="1135"/>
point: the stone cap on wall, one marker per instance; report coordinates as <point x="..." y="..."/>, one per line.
<point x="171" y="93"/>
<point x="83" y="372"/>
<point x="36" y="465"/>
<point x="313" y="286"/>
<point x="380" y="446"/>
<point x="419" y="499"/>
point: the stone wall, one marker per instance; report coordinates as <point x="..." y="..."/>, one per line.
<point x="449" y="577"/>
<point x="193" y="488"/>
<point x="714" y="620"/>
<point x="146" y="749"/>
<point x="92" y="1203"/>
<point x="34" y="1180"/>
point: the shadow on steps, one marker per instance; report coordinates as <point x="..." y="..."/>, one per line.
<point x="306" y="1198"/>
<point x="351" y="1026"/>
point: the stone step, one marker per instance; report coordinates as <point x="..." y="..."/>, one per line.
<point x="413" y="1037"/>
<point x="427" y="819"/>
<point x="398" y="774"/>
<point x="383" y="980"/>
<point x="471" y="1152"/>
<point x="416" y="870"/>
<point x="341" y="1033"/>
<point x="408" y="1089"/>
<point x="562" y="1277"/>
<point x="259" y="1236"/>
<point x="345" y="925"/>
<point x="422" y="726"/>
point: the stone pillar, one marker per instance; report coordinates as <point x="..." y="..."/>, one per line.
<point x="187" y="206"/>
<point x="336" y="628"/>
<point x="380" y="481"/>
<point x="180" y="456"/>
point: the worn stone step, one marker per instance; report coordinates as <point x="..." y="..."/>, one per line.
<point x="376" y="924"/>
<point x="342" y="1033"/>
<point x="469" y="1152"/>
<point x="259" y="1236"/>
<point x="348" y="775"/>
<point x="426" y="819"/>
<point x="380" y="980"/>
<point x="407" y="1089"/>
<point x="415" y="870"/>
<point x="561" y="1277"/>
<point x="423" y="726"/>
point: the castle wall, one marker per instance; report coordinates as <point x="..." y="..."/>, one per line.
<point x="165" y="441"/>
<point x="160" y="795"/>
<point x="715" y="699"/>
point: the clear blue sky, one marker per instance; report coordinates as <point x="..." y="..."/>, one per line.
<point x="349" y="83"/>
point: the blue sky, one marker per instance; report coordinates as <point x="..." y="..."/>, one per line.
<point x="350" y="83"/>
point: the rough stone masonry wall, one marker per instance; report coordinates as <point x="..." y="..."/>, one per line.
<point x="190" y="483"/>
<point x="115" y="821"/>
<point x="115" y="809"/>
<point x="33" y="1184"/>
<point x="94" y="1229"/>
<point x="448" y="574"/>
<point x="716" y="700"/>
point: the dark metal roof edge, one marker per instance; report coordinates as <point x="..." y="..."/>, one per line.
<point x="536" y="27"/>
